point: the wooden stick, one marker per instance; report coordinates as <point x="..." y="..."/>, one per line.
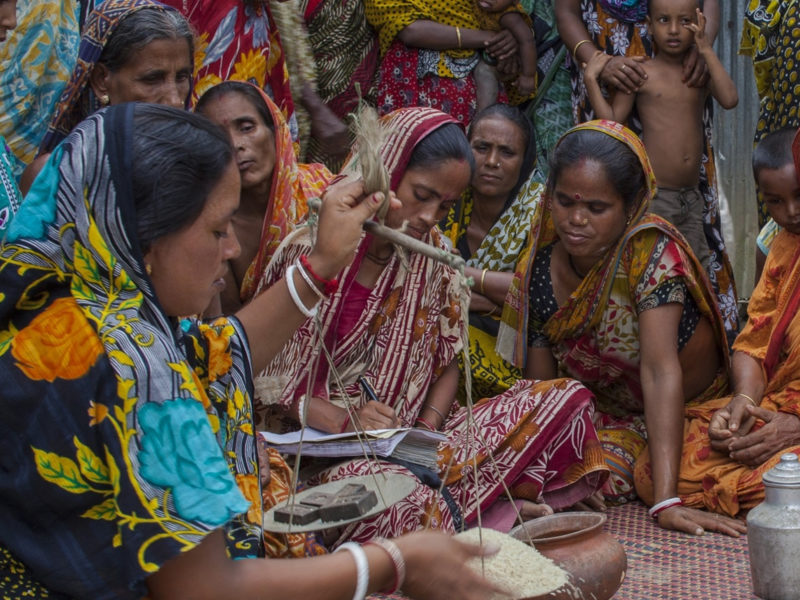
<point x="413" y="244"/>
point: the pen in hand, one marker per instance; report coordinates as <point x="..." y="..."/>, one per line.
<point x="362" y="381"/>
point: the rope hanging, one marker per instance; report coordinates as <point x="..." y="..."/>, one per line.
<point x="370" y="133"/>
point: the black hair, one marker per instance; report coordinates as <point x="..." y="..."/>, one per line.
<point x="525" y="127"/>
<point x="178" y="157"/>
<point x="237" y="87"/>
<point x="774" y="150"/>
<point x="447" y="142"/>
<point x="622" y="166"/>
<point x="139" y="29"/>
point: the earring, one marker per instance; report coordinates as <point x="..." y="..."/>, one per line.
<point x="148" y="268"/>
<point x="105" y="100"/>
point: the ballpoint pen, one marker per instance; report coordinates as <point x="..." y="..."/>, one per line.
<point x="367" y="389"/>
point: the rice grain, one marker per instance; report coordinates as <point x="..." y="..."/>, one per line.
<point x="518" y="567"/>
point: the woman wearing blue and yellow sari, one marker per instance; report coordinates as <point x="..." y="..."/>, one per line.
<point x="613" y="297"/>
<point x="126" y="437"/>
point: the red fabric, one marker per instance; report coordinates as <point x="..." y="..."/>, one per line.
<point x="400" y="86"/>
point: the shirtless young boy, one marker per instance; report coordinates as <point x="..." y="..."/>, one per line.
<point x="494" y="15"/>
<point x="671" y="112"/>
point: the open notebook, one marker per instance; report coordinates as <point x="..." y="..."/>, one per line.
<point x="410" y="444"/>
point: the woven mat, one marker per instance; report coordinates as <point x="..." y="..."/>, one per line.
<point x="666" y="565"/>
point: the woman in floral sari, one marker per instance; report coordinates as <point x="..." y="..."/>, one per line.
<point x="398" y="324"/>
<point x="731" y="442"/>
<point x="612" y="296"/>
<point x="126" y="431"/>
<point x="275" y="187"/>
<point x="619" y="28"/>
<point x="238" y="40"/>
<point x="489" y="226"/>
<point x="770" y="36"/>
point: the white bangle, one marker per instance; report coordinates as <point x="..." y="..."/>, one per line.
<point x="309" y="312"/>
<point x="307" y="278"/>
<point x="300" y="408"/>
<point x="362" y="567"/>
<point x="664" y="505"/>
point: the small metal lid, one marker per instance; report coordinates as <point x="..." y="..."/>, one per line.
<point x="785" y="474"/>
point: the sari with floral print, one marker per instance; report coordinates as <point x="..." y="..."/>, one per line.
<point x="536" y="439"/>
<point x="408" y="76"/>
<point x="769" y="37"/>
<point x="237" y="40"/>
<point x="126" y="436"/>
<point x="617" y="36"/>
<point x="594" y="334"/>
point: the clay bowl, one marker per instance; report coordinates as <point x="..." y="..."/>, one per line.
<point x="576" y="541"/>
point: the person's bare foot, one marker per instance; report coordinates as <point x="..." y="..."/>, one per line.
<point x="534" y="510"/>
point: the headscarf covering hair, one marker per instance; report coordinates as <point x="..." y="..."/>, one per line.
<point x="72" y="259"/>
<point x="407" y="127"/>
<point x="512" y="337"/>
<point x="292" y="186"/>
<point x="78" y="100"/>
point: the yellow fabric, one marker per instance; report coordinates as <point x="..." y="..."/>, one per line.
<point x="390" y="17"/>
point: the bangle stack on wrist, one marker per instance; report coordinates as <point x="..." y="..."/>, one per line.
<point x="329" y="286"/>
<point x="660" y="507"/>
<point x="298" y="302"/>
<point x="425" y="424"/>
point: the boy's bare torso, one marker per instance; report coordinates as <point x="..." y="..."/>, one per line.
<point x="672" y="124"/>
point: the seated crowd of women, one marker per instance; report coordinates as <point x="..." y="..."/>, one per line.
<point x="165" y="296"/>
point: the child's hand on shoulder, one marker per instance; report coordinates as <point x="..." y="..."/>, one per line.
<point x="592" y="69"/>
<point x="699" y="30"/>
<point x="525" y="84"/>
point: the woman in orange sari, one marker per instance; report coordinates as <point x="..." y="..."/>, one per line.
<point x="275" y="187"/>
<point x="731" y="442"/>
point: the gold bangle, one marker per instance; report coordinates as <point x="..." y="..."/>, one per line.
<point x="458" y="35"/>
<point x="483" y="277"/>
<point x="490" y="313"/>
<point x="578" y="45"/>
<point x="437" y="411"/>
<point x="746" y="397"/>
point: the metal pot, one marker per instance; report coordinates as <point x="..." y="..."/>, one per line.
<point x="773" y="533"/>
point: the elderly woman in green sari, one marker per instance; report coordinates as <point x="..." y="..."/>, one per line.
<point x="488" y="228"/>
